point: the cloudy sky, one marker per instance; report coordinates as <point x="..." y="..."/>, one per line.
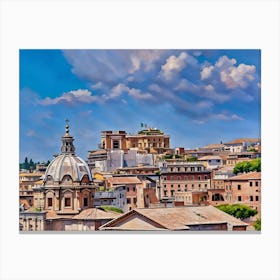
<point x="198" y="97"/>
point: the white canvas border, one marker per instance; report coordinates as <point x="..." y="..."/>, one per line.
<point x="156" y="24"/>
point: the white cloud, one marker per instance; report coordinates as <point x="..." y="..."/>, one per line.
<point x="97" y="85"/>
<point x="185" y="85"/>
<point x="233" y="76"/>
<point x="110" y="66"/>
<point x="31" y="133"/>
<point x="120" y="89"/>
<point x="155" y="88"/>
<point x="224" y="62"/>
<point x="199" y="122"/>
<point x="144" y="59"/>
<point x="86" y="113"/>
<point x="71" y="97"/>
<point x="206" y="72"/>
<point x="173" y="66"/>
<point x="138" y="94"/>
<point x="226" y="117"/>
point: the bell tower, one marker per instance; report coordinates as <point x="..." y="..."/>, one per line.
<point x="67" y="141"/>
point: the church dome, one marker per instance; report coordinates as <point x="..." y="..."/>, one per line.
<point x="67" y="166"/>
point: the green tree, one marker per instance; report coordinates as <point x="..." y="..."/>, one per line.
<point x="25" y="165"/>
<point x="248" y="166"/>
<point x="167" y="157"/>
<point x="238" y="210"/>
<point x="191" y="159"/>
<point x="31" y="164"/>
<point x="258" y="224"/>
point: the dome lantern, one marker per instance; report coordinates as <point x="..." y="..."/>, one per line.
<point x="67" y="141"/>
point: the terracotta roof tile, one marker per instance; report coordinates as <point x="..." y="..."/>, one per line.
<point x="247" y="176"/>
<point x="241" y="140"/>
<point x="123" y="180"/>
<point x="177" y="218"/>
<point x="210" y="157"/>
<point x="96" y="214"/>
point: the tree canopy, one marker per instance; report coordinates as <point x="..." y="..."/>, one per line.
<point x="238" y="210"/>
<point x="248" y="166"/>
<point x="258" y="224"/>
<point x="30" y="164"/>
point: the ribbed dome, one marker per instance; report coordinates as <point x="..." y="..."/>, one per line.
<point x="67" y="164"/>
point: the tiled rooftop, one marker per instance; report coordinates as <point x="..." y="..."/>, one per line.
<point x="241" y="140"/>
<point x="177" y="218"/>
<point x="247" y="176"/>
<point x="124" y="180"/>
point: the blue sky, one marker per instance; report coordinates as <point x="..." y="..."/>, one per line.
<point x="198" y="97"/>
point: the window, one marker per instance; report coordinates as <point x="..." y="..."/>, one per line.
<point x="205" y="177"/>
<point x="165" y="193"/>
<point x="128" y="200"/>
<point x="251" y="198"/>
<point x="186" y="169"/>
<point x="171" y="178"/>
<point x="239" y="187"/>
<point x="199" y="186"/>
<point x="251" y="184"/>
<point x="256" y="184"/>
<point x="199" y="178"/>
<point x="172" y="192"/>
<point x="192" y="186"/>
<point x="192" y="168"/>
<point x="134" y="189"/>
<point x="257" y="198"/>
<point x="67" y="201"/>
<point x="164" y="186"/>
<point x="179" y="187"/>
<point x="239" y="198"/>
<point x="127" y="189"/>
<point x="115" y="144"/>
<point x="49" y="202"/>
<point x="134" y="200"/>
<point x="171" y="169"/>
<point x="179" y="178"/>
<point x="85" y="201"/>
<point x="205" y="186"/>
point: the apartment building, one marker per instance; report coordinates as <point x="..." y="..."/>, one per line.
<point x="183" y="177"/>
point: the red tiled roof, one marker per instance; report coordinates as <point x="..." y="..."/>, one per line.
<point x="247" y="176"/>
<point x="214" y="146"/>
<point x="123" y="180"/>
<point x="96" y="214"/>
<point x="177" y="218"/>
<point x="210" y="157"/>
<point x="241" y="140"/>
